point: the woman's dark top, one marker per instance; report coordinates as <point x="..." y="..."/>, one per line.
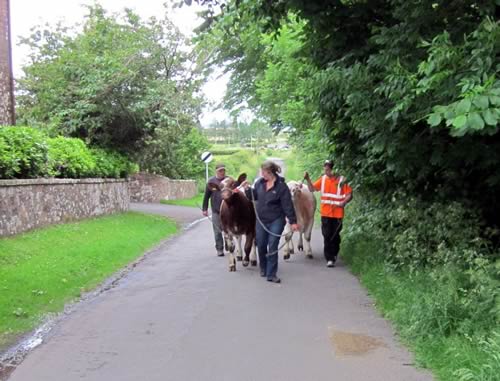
<point x="274" y="203"/>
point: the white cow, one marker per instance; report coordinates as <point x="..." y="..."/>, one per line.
<point x="304" y="203"/>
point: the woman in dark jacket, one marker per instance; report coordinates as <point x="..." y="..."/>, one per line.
<point x="274" y="203"/>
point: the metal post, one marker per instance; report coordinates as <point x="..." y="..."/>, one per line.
<point x="206" y="172"/>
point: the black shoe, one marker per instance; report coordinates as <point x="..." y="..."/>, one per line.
<point x="220" y="253"/>
<point x="274" y="279"/>
<point x="262" y="273"/>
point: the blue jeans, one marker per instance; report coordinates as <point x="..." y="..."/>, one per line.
<point x="268" y="243"/>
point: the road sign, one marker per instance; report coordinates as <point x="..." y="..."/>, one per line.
<point x="207" y="157"/>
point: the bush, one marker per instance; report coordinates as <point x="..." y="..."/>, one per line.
<point x="225" y="152"/>
<point x="432" y="274"/>
<point x="70" y="158"/>
<point x="29" y="153"/>
<point x="112" y="164"/>
<point x="23" y="153"/>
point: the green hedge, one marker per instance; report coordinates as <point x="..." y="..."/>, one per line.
<point x="29" y="153"/>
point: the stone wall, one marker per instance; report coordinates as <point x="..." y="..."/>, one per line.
<point x="28" y="204"/>
<point x="146" y="187"/>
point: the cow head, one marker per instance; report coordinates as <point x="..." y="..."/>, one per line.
<point x="295" y="187"/>
<point x="229" y="186"/>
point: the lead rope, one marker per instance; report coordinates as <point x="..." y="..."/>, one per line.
<point x="288" y="236"/>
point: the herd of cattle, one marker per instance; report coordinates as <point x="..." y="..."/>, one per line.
<point x="238" y="219"/>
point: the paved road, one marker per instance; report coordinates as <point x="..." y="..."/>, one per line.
<point x="181" y="316"/>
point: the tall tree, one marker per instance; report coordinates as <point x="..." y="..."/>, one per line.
<point x="7" y="108"/>
<point x="121" y="82"/>
<point x="406" y="94"/>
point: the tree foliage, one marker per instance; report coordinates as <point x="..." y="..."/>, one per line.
<point x="405" y="93"/>
<point x="118" y="82"/>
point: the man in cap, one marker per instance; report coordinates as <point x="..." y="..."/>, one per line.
<point x="212" y="193"/>
<point x="335" y="194"/>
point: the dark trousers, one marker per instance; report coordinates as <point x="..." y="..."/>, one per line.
<point x="268" y="243"/>
<point x="219" y="240"/>
<point x="330" y="228"/>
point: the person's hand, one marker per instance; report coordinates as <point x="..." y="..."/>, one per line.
<point x="295" y="227"/>
<point x="245" y="184"/>
<point x="205" y="213"/>
<point x="306" y="176"/>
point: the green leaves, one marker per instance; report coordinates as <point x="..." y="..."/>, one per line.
<point x="481" y="102"/>
<point x="470" y="115"/>
<point x="475" y="121"/>
<point x="434" y="119"/>
<point x="463" y="106"/>
<point x="29" y="153"/>
<point x="459" y="122"/>
<point x="490" y="117"/>
<point x="121" y="83"/>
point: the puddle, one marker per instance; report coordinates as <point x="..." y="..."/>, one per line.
<point x="353" y="344"/>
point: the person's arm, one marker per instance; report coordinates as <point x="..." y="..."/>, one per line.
<point x="316" y="186"/>
<point x="206" y="197"/>
<point x="250" y="192"/>
<point x="348" y="198"/>
<point x="309" y="182"/>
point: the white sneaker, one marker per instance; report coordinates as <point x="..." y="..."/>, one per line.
<point x="330" y="264"/>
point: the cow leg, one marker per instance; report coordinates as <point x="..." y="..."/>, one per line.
<point x="239" y="252"/>
<point x="228" y="239"/>
<point x="248" y="248"/>
<point x="239" y="255"/>
<point x="232" y="262"/>
<point x="289" y="242"/>
<point x="230" y="244"/>
<point x="300" y="245"/>
<point x="307" y="236"/>
<point x="253" y="254"/>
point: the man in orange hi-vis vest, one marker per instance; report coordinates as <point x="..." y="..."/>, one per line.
<point x="335" y="194"/>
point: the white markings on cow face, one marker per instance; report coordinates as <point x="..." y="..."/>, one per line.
<point x="295" y="187"/>
<point x="228" y="185"/>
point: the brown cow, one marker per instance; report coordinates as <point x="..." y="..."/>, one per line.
<point x="237" y="217"/>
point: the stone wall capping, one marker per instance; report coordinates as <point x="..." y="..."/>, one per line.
<point x="55" y="181"/>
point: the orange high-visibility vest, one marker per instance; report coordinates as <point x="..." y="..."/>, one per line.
<point x="334" y="191"/>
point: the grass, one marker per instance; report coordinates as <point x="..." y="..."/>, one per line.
<point x="418" y="305"/>
<point x="293" y="169"/>
<point x="242" y="161"/>
<point x="41" y="271"/>
<point x="195" y="201"/>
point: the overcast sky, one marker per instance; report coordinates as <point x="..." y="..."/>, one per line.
<point x="26" y="14"/>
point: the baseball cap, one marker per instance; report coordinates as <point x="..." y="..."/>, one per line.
<point x="220" y="166"/>
<point x="329" y="163"/>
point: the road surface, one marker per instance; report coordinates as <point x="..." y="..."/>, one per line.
<point x="181" y="316"/>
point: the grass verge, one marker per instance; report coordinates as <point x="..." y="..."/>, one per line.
<point x="195" y="201"/>
<point x="41" y="271"/>
<point x="423" y="308"/>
